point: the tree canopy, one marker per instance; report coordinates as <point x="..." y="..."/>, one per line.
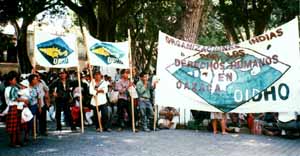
<point x="27" y="10"/>
<point x="243" y="19"/>
<point x="201" y="21"/>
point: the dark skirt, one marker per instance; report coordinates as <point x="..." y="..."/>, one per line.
<point x="13" y="120"/>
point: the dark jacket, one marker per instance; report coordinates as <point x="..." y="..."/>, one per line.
<point x="63" y="93"/>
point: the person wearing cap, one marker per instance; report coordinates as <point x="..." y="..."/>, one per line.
<point x="85" y="78"/>
<point x="62" y="93"/>
<point x="24" y="93"/>
<point x="75" y="108"/>
<point x="86" y="99"/>
<point x="99" y="88"/>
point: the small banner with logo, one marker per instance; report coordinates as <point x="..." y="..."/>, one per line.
<point x="258" y="75"/>
<point x="55" y="51"/>
<point x="108" y="54"/>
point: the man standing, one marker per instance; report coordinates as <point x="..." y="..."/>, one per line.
<point x="124" y="106"/>
<point x="62" y="94"/>
<point x="99" y="88"/>
<point x="144" y="91"/>
<point x="35" y="102"/>
<point x="45" y="103"/>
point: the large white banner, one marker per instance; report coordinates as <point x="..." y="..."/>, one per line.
<point x="55" y="51"/>
<point x="258" y="75"/>
<point x="108" y="54"/>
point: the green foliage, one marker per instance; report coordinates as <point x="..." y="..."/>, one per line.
<point x="27" y="10"/>
<point x="145" y="20"/>
<point x="214" y="34"/>
<point x="243" y="19"/>
<point x="8" y="10"/>
<point x="283" y="11"/>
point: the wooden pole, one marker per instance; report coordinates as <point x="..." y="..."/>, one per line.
<point x="34" y="66"/>
<point x="179" y="115"/>
<point x="80" y="99"/>
<point x="91" y="74"/>
<point x="131" y="80"/>
<point x="184" y="117"/>
<point x="155" y="117"/>
<point x="98" y="114"/>
<point x="34" y="127"/>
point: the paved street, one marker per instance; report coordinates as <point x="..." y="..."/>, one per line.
<point x="160" y="143"/>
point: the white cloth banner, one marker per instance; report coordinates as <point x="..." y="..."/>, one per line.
<point x="258" y="75"/>
<point x="108" y="54"/>
<point x="55" y="51"/>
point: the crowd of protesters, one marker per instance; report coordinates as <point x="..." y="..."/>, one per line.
<point x="36" y="92"/>
<point x="106" y="104"/>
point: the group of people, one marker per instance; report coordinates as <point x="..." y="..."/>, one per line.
<point x="269" y="123"/>
<point x="26" y="105"/>
<point x="109" y="100"/>
<point x="37" y="95"/>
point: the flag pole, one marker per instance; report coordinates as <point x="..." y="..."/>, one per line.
<point x="80" y="99"/>
<point x="79" y="85"/>
<point x="34" y="70"/>
<point x="131" y="80"/>
<point x="91" y="75"/>
<point x="155" y="117"/>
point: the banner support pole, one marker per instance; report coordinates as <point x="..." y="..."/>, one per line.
<point x="131" y="80"/>
<point x="80" y="99"/>
<point x="91" y="75"/>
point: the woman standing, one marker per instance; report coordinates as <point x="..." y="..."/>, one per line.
<point x="13" y="119"/>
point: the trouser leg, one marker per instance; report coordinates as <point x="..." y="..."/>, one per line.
<point x="58" y="116"/>
<point x="43" y="121"/>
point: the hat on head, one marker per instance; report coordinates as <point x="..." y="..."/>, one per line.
<point x="76" y="92"/>
<point x="25" y="83"/>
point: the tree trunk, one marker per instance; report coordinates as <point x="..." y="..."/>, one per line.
<point x="24" y="61"/>
<point x="191" y="21"/>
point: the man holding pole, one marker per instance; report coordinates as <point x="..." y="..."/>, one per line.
<point x="99" y="88"/>
<point x="35" y="103"/>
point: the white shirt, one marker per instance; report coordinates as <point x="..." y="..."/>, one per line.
<point x="101" y="97"/>
<point x="8" y="99"/>
<point x="42" y="88"/>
